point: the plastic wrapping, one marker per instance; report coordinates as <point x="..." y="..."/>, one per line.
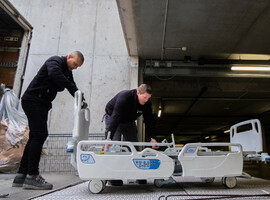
<point x="14" y="132"/>
<point x="16" y="120"/>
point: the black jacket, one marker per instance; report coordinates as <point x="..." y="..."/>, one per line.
<point x="52" y="77"/>
<point x="125" y="108"/>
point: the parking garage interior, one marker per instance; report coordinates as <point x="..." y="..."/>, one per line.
<point x="202" y="107"/>
<point x="187" y="52"/>
<point x="187" y="58"/>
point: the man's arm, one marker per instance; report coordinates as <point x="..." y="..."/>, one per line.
<point x="72" y="80"/>
<point x="55" y="73"/>
<point x="148" y="120"/>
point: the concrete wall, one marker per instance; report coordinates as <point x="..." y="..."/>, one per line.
<point x="92" y="27"/>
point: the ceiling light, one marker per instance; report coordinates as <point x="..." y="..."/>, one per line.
<point x="227" y="131"/>
<point x="156" y="64"/>
<point x="251" y="68"/>
<point x="207" y="137"/>
<point x="159" y="113"/>
<point x="169" y="64"/>
<point x="184" y="48"/>
<point x="159" y="108"/>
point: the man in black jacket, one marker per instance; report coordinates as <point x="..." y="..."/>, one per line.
<point x="54" y="76"/>
<point x="121" y="113"/>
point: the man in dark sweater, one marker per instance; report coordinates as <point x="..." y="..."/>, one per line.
<point x="54" y="76"/>
<point x="121" y="113"/>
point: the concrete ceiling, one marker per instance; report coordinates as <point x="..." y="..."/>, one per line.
<point x="6" y="22"/>
<point x="186" y="49"/>
<point x="11" y="19"/>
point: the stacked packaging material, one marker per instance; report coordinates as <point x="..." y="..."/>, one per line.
<point x="14" y="132"/>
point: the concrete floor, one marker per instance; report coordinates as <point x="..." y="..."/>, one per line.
<point x="70" y="187"/>
<point x="59" y="181"/>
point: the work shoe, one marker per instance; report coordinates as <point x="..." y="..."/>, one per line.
<point x="141" y="181"/>
<point x="36" y="182"/>
<point x="115" y="182"/>
<point x="18" y="180"/>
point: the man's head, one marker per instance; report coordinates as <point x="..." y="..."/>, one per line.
<point x="144" y="93"/>
<point x="74" y="60"/>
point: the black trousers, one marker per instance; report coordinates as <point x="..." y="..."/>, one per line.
<point x="128" y="130"/>
<point x="37" y="115"/>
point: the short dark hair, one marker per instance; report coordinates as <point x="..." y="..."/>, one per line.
<point x="79" y="54"/>
<point x="144" y="88"/>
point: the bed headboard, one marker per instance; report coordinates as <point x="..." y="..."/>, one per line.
<point x="248" y="134"/>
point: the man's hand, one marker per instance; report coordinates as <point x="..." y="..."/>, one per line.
<point x="108" y="146"/>
<point x="154" y="141"/>
<point x="84" y="105"/>
<point x="83" y="99"/>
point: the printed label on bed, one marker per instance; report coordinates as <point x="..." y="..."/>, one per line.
<point x="191" y="150"/>
<point x="147" y="163"/>
<point x="87" y="159"/>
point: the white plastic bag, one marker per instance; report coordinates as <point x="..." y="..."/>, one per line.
<point x="15" y="119"/>
<point x="14" y="132"/>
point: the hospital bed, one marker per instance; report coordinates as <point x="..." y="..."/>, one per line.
<point x="101" y="160"/>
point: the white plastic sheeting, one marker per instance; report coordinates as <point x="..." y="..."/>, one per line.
<point x="15" y="119"/>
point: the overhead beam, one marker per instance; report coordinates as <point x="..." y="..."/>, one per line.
<point x="212" y="99"/>
<point x="128" y="25"/>
<point x="204" y="71"/>
<point x="203" y="68"/>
